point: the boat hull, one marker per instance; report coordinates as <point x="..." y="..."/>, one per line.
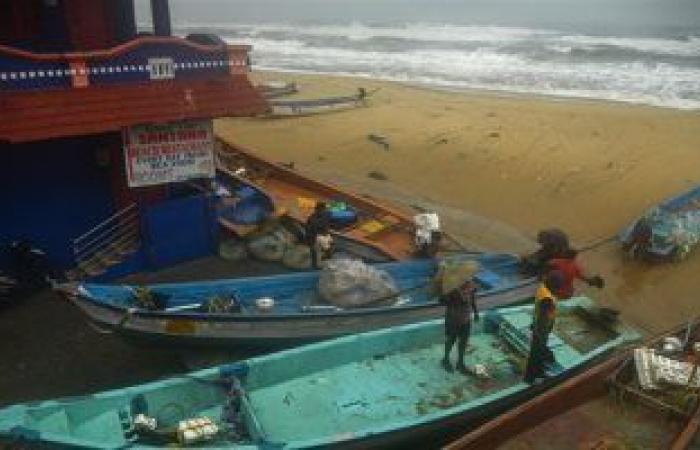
<point x="275" y="331"/>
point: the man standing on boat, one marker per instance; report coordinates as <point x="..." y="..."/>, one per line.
<point x="545" y="313"/>
<point x="317" y="226"/>
<point x="460" y="302"/>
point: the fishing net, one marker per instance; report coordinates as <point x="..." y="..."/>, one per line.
<point x="271" y="245"/>
<point x="453" y="273"/>
<point x="233" y="250"/>
<point x="350" y="283"/>
<point x="678" y="228"/>
<point x="297" y="257"/>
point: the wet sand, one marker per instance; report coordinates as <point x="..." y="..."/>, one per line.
<point x="500" y="167"/>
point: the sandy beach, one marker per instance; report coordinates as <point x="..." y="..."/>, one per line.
<point x="500" y="167"/>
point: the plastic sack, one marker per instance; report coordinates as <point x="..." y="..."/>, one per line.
<point x="350" y="283"/>
<point x="425" y="224"/>
<point x="270" y="246"/>
<point x="452" y="273"/>
<point x="297" y="257"/>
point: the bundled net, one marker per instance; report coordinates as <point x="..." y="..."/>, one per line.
<point x="452" y="273"/>
<point x="350" y="283"/>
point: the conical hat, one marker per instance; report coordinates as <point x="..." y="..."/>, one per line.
<point x="454" y="274"/>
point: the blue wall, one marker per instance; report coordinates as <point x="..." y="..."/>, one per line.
<point x="178" y="230"/>
<point x="51" y="192"/>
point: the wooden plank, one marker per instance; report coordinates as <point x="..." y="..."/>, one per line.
<point x="686" y="437"/>
<point x="573" y="392"/>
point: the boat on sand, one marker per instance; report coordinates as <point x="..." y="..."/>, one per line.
<point x="388" y="231"/>
<point x="376" y="389"/>
<point x="299" y="311"/>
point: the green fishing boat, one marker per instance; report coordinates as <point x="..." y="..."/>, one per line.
<point x="379" y="388"/>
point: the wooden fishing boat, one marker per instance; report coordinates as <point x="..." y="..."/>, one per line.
<point x="285" y="108"/>
<point x="274" y="89"/>
<point x="385" y="229"/>
<point x="298" y="315"/>
<point x="668" y="231"/>
<point x="580" y="412"/>
<point x="376" y="389"/>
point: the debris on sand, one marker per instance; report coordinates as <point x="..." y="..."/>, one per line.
<point x="288" y="165"/>
<point x="377" y="175"/>
<point x="379" y="139"/>
<point x="494" y="134"/>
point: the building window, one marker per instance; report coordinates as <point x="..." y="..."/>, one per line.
<point x="161" y="68"/>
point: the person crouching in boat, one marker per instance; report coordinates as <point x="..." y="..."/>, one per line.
<point x="460" y="302"/>
<point x="545" y="313"/>
<point x="572" y="270"/>
<point x="317" y="232"/>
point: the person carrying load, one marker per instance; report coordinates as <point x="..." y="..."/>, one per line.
<point x="457" y="291"/>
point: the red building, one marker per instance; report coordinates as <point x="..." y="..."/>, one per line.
<point x="78" y="86"/>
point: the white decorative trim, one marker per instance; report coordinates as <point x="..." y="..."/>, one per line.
<point x="121" y="68"/>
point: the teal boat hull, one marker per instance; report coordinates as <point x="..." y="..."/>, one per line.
<point x="377" y="389"/>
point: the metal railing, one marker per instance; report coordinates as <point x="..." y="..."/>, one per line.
<point x="118" y="233"/>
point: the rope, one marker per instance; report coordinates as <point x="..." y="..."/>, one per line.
<point x="598" y="243"/>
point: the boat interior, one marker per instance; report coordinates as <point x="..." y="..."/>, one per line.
<point x="381" y="227"/>
<point x="298" y="292"/>
<point x="336" y="389"/>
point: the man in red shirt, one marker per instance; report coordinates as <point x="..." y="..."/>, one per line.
<point x="571" y="270"/>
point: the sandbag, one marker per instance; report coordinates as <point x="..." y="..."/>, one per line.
<point x="233" y="250"/>
<point x="350" y="283"/>
<point x="452" y="273"/>
<point x="271" y="245"/>
<point x="297" y="257"/>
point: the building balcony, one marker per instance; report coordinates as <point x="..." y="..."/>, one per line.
<point x="146" y="80"/>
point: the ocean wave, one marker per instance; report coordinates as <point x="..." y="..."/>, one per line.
<point x="689" y="46"/>
<point x="679" y="47"/>
<point x="659" y="84"/>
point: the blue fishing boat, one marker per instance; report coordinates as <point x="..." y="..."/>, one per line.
<point x="668" y="231"/>
<point x="298" y="314"/>
<point x="377" y="389"/>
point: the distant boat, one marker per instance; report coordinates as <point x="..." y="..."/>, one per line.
<point x="298" y="315"/>
<point x="373" y="390"/>
<point x="384" y="232"/>
<point x="279" y="108"/>
<point x="667" y="232"/>
<point x="648" y="418"/>
<point x="274" y="89"/>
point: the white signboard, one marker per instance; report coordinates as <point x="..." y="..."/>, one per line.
<point x="157" y="154"/>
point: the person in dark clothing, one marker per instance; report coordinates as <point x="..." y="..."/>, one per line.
<point x="460" y="305"/>
<point x="553" y="244"/>
<point x="545" y="313"/>
<point x="317" y="224"/>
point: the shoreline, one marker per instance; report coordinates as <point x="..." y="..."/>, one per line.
<point x="476" y="92"/>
